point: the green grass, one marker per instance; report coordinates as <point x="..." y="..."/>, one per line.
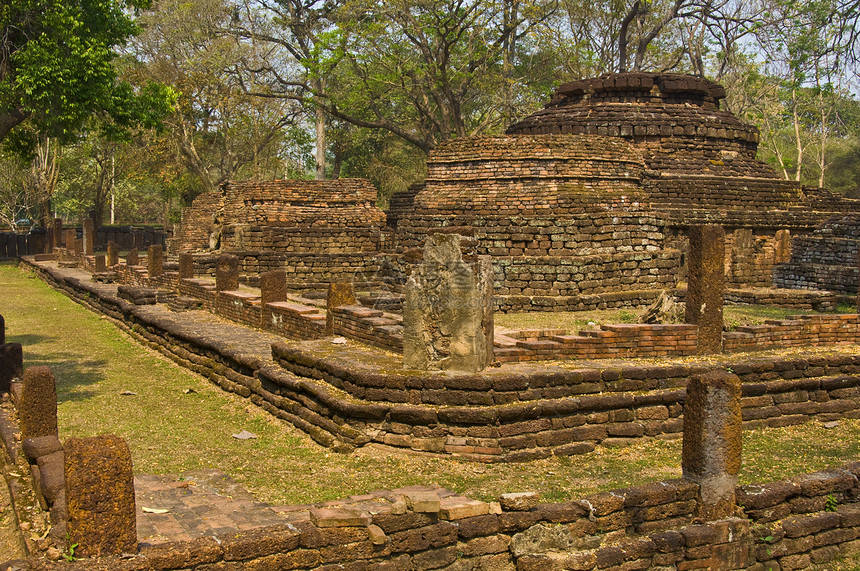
<point x="171" y="430"/>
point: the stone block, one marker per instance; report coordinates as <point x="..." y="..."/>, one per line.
<point x="706" y="286"/>
<point x="132" y="258"/>
<point x="37" y="406"/>
<point x="155" y="261"/>
<point x="711" y="454"/>
<point x="100" y="263"/>
<point x="227" y="273"/>
<point x="100" y="496"/>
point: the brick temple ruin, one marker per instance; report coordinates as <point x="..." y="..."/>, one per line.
<point x="360" y="326"/>
<point x="584" y="204"/>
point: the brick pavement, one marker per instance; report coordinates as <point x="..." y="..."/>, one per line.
<point x="211" y="503"/>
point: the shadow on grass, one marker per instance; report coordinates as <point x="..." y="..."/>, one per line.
<point x="72" y="375"/>
<point x="29" y="339"/>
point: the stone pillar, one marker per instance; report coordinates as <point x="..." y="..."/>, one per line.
<point x="711" y="455"/>
<point x="339" y="294"/>
<point x="705" y="285"/>
<point x="782" y="247"/>
<point x="155" y="261"/>
<point x="100" y="496"/>
<point x="112" y="253"/>
<point x="2" y="330"/>
<point x="11" y="365"/>
<point x="101" y="266"/>
<point x="89" y="238"/>
<point x="37" y="403"/>
<point x="132" y="259"/>
<point x="186" y="266"/>
<point x="58" y="233"/>
<point x="227" y="273"/>
<point x="448" y="312"/>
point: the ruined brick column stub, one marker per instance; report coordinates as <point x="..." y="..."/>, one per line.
<point x="100" y="496"/>
<point x="705" y="285"/>
<point x="447" y="314"/>
<point x="227" y="273"/>
<point x="711" y="455"/>
<point x="155" y="261"/>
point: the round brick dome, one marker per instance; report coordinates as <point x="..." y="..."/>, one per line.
<point x="674" y="120"/>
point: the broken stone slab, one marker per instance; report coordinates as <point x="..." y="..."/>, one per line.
<point x="227" y="273"/>
<point x="339" y="517"/>
<point x="455" y="508"/>
<point x="423" y="502"/>
<point x="519" y="501"/>
<point x="41" y="446"/>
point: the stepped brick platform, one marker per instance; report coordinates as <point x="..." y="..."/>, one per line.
<point x="346" y="395"/>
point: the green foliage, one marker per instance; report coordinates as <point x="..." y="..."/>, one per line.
<point x="69" y="553"/>
<point x="830" y="503"/>
<point x="58" y="71"/>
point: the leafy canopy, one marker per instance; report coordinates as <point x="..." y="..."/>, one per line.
<point x="57" y="70"/>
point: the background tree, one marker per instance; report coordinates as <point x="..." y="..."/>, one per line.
<point x="56" y="69"/>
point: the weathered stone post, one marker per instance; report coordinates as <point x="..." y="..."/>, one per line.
<point x="100" y="265"/>
<point x="37" y="403"/>
<point x="69" y="240"/>
<point x="112" y="253"/>
<point x="273" y="286"/>
<point x="2" y="330"/>
<point x="100" y="496"/>
<point x="782" y="246"/>
<point x="711" y="454"/>
<point x="448" y="312"/>
<point x="227" y="273"/>
<point x="339" y="294"/>
<point x="11" y="365"/>
<point x="155" y="261"/>
<point x="186" y="265"/>
<point x="89" y="237"/>
<point x="133" y="258"/>
<point x="58" y="233"/>
<point x="705" y="285"/>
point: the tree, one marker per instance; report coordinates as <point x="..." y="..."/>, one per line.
<point x="56" y="70"/>
<point x="424" y="70"/>
<point x="216" y="129"/>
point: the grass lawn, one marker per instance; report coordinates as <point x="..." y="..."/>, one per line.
<point x="176" y="421"/>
